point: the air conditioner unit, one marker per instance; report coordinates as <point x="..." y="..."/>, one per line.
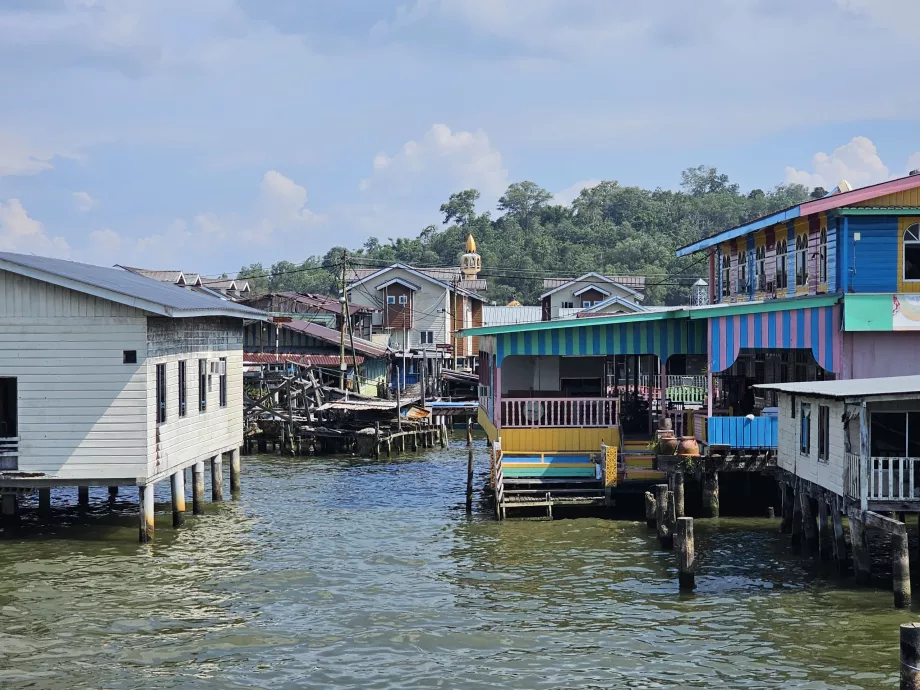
<point x="218" y="367"/>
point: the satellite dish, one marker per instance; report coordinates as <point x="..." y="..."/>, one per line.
<point x="844" y="186"/>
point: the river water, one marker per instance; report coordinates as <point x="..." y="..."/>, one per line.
<point x="349" y="573"/>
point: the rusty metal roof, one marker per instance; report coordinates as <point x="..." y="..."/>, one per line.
<point x="303" y="360"/>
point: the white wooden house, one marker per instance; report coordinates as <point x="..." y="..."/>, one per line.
<point x="859" y="439"/>
<point x="109" y="378"/>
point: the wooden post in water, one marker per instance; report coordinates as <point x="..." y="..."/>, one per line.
<point x="145" y="505"/>
<point x="113" y="493"/>
<point x="710" y="493"/>
<point x="442" y="432"/>
<point x="840" y="540"/>
<point x="650" y="508"/>
<point x="686" y="565"/>
<point x="900" y="569"/>
<point x="825" y="542"/>
<point x="9" y="508"/>
<point x="788" y="509"/>
<point x="376" y="440"/>
<point x="809" y="527"/>
<point x="217" y="479"/>
<point x="177" y="489"/>
<point x="44" y="502"/>
<point x="198" y="488"/>
<point x="677" y="486"/>
<point x="664" y="515"/>
<point x="235" y="469"/>
<point x="771" y="514"/>
<point x="862" y="564"/>
<point x="469" y="482"/>
<point x="469" y="432"/>
<point x="83" y="497"/>
<point x="910" y="656"/>
<point x="796" y="529"/>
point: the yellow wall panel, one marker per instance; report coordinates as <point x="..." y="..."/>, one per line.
<point x="910" y="197"/>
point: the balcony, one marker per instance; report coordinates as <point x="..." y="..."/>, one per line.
<point x="875" y="479"/>
<point x="541" y="413"/>
<point x="741" y="433"/>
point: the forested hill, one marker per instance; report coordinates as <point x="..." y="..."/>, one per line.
<point x="609" y="229"/>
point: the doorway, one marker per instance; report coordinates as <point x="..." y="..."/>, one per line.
<point x="8" y="411"/>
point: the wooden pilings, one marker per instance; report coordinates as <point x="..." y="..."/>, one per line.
<point x="710" y="482"/>
<point x="809" y="526"/>
<point x="664" y="515"/>
<point x="788" y="509"/>
<point x="686" y="563"/>
<point x="677" y="486"/>
<point x="235" y="468"/>
<point x="796" y="528"/>
<point x="469" y="432"/>
<point x="217" y="479"/>
<point x="910" y="656"/>
<point x="469" y="482"/>
<point x="146" y="511"/>
<point x="177" y="489"/>
<point x="900" y="569"/>
<point x="840" y="540"/>
<point x="113" y="494"/>
<point x="650" y="508"/>
<point x="9" y="507"/>
<point x="825" y="544"/>
<point x="83" y="497"/>
<point x="862" y="564"/>
<point x="198" y="488"/>
<point x="44" y="502"/>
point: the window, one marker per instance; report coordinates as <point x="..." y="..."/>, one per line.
<point x="726" y="275"/>
<point x="912" y="252"/>
<point x="223" y="381"/>
<point x="824" y="431"/>
<point x="742" y="272"/>
<point x="760" y="268"/>
<point x="782" y="275"/>
<point x="801" y="260"/>
<point x="894" y="434"/>
<point x="586" y="304"/>
<point x="161" y="393"/>
<point x="805" y="430"/>
<point x="568" y="305"/>
<point x="183" y="388"/>
<point x="427" y="337"/>
<point x="202" y="384"/>
<point x="391" y="299"/>
<point x="822" y="257"/>
<point x="129" y="357"/>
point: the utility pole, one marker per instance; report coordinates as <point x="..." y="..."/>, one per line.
<point x="453" y="327"/>
<point x="344" y="300"/>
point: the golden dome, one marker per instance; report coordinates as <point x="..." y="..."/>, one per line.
<point x="470" y="244"/>
<point x="514" y="303"/>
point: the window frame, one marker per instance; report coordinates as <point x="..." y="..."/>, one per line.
<point x="824" y="431"/>
<point x="391" y="299"/>
<point x="202" y="385"/>
<point x="743" y="278"/>
<point x="403" y="300"/>
<point x="782" y="259"/>
<point x="914" y="229"/>
<point x="183" y="388"/>
<point x="586" y="304"/>
<point x="567" y="305"/>
<point x="161" y="393"/>
<point x="726" y="275"/>
<point x="760" y="267"/>
<point x="426" y="337"/>
<point x="801" y="256"/>
<point x="822" y="256"/>
<point x="805" y="429"/>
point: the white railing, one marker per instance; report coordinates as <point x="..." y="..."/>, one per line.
<point x="852" y="479"/>
<point x="499" y="481"/>
<point x="535" y="413"/>
<point x="892" y="479"/>
<point x="9" y="453"/>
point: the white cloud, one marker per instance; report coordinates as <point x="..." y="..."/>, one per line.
<point x="18" y="157"/>
<point x="569" y="194"/>
<point x="284" y="201"/>
<point x="913" y="163"/>
<point x="83" y="201"/>
<point x="856" y="162"/>
<point x="445" y="159"/>
<point x="23" y="234"/>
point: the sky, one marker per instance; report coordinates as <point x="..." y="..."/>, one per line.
<point x="210" y="134"/>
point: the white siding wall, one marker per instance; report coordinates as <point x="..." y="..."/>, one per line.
<point x="830" y="474"/>
<point x="199" y="435"/>
<point x="81" y="411"/>
<point x="567" y="294"/>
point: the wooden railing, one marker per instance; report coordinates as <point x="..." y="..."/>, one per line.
<point x="701" y="427"/>
<point x="499" y="480"/>
<point x="537" y="413"/>
<point x="853" y="478"/>
<point x="9" y="453"/>
<point x="681" y="389"/>
<point x="738" y="432"/>
<point x="892" y="479"/>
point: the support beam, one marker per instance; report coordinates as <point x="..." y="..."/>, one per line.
<point x="146" y="511"/>
<point x="198" y="488"/>
<point x="710" y="483"/>
<point x="809" y="526"/>
<point x="177" y="489"/>
<point x="217" y="479"/>
<point x="796" y="517"/>
<point x="825" y="543"/>
<point x="840" y="540"/>
<point x="83" y="497"/>
<point x="44" y="502"/>
<point x="686" y="561"/>
<point x="469" y="482"/>
<point x="113" y="494"/>
<point x="859" y="540"/>
<point x="788" y="500"/>
<point x="9" y="508"/>
<point x="900" y="570"/>
<point x="235" y="468"/>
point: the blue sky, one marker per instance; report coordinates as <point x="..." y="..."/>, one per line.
<point x="204" y="135"/>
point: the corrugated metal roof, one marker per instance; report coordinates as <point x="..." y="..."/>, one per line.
<point x="854" y="388"/>
<point x="445" y="275"/>
<point x="303" y="360"/>
<point x="124" y="287"/>
<point x="634" y="282"/>
<point x="502" y="316"/>
<point x="329" y="335"/>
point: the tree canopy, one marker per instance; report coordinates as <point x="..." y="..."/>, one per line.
<point x="609" y="228"/>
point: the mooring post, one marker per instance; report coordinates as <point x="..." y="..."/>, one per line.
<point x="859" y="540"/>
<point x="900" y="569"/>
<point x="910" y="656"/>
<point x="711" y="493"/>
<point x="145" y="506"/>
<point x="177" y="488"/>
<point x="824" y="529"/>
<point x="469" y="482"/>
<point x="469" y="432"/>
<point x="686" y="565"/>
<point x="217" y="479"/>
<point x="235" y="468"/>
<point x="664" y="511"/>
<point x="677" y="486"/>
<point x="442" y="432"/>
<point x="44" y="502"/>
<point x="198" y="488"/>
<point x="650" y="508"/>
<point x="83" y="497"/>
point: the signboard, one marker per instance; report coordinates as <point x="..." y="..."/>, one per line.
<point x="905" y="312"/>
<point x="281" y="319"/>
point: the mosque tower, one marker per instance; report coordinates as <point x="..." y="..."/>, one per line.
<point x="471" y="262"/>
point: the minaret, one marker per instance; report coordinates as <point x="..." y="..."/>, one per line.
<point x="471" y="262"/>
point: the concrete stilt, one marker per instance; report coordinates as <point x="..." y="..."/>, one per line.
<point x="177" y="485"/>
<point x="217" y="479"/>
<point x="900" y="569"/>
<point x="44" y="502"/>
<point x="859" y="540"/>
<point x="825" y="543"/>
<point x="711" y="494"/>
<point x="198" y="488"/>
<point x="83" y="497"/>
<point x="145" y="505"/>
<point x="235" y="472"/>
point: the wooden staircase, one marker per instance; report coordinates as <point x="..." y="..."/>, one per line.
<point x="638" y="460"/>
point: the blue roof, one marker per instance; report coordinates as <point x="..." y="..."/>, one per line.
<point x="740" y="230"/>
<point x="125" y="287"/>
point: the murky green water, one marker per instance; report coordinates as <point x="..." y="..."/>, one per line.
<point x="354" y="574"/>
